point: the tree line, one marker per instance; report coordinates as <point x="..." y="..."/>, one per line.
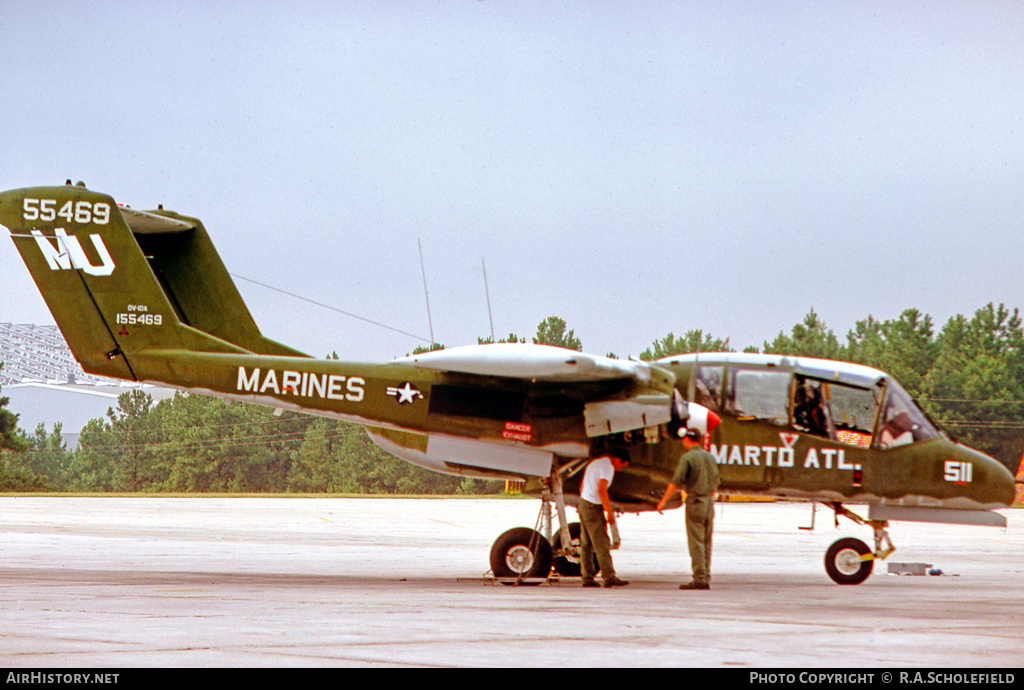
<point x="968" y="377"/>
<point x="194" y="443"/>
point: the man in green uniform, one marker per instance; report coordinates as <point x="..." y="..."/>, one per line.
<point x="697" y="473"/>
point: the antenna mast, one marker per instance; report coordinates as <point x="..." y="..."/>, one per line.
<point x="423" y="270"/>
<point x="487" y="293"/>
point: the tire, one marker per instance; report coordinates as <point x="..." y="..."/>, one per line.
<point x="520" y="553"/>
<point x="562" y="565"/>
<point x="843" y="562"/>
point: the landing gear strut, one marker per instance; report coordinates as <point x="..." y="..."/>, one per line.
<point x="850" y="561"/>
<point x="526" y="556"/>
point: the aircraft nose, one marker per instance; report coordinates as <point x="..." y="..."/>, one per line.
<point x="1007" y="484"/>
<point x="993" y="481"/>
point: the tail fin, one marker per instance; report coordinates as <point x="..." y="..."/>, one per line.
<point x="119" y="281"/>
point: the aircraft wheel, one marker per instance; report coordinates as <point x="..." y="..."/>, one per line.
<point x="563" y="566"/>
<point x="521" y="553"/>
<point x="843" y="561"/>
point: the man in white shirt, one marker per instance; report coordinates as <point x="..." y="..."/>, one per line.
<point x="595" y="509"/>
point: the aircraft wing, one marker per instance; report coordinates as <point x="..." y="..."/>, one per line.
<point x="648" y="402"/>
<point x="533" y="362"/>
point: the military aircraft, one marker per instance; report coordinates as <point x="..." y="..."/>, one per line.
<point x="144" y="296"/>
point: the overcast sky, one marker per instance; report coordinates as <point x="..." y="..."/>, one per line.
<point x="636" y="168"/>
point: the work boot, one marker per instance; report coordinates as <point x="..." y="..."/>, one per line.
<point x="590" y="583"/>
<point x="695" y="585"/>
<point x="615" y="582"/>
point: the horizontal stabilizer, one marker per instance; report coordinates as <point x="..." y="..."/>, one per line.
<point x="143" y="223"/>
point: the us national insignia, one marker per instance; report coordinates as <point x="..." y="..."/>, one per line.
<point x="406" y="394"/>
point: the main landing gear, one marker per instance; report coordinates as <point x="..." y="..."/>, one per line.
<point x="525" y="556"/>
<point x="521" y="556"/>
<point x="849" y="561"/>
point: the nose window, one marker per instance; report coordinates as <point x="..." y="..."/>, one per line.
<point x="903" y="421"/>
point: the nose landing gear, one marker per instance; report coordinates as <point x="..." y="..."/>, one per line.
<point x="850" y="561"/>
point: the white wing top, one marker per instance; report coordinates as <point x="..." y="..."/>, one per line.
<point x="527" y="361"/>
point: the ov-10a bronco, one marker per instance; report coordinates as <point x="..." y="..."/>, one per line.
<point x="144" y="296"/>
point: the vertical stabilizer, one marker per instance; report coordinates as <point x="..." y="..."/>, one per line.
<point x="95" y="279"/>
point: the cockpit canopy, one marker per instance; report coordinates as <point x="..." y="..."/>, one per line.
<point x="843" y="403"/>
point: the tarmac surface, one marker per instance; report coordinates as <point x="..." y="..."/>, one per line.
<point x="301" y="582"/>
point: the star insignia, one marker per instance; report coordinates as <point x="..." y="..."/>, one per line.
<point x="406" y="394"/>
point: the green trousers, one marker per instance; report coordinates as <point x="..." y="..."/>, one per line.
<point x="700" y="523"/>
<point x="594" y="541"/>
